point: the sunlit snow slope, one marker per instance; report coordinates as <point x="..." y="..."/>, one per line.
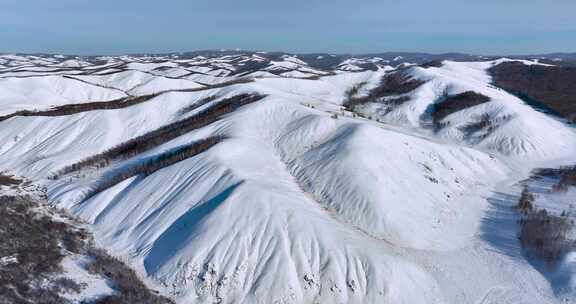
<point x="253" y="178"/>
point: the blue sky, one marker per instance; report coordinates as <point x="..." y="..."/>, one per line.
<point x="338" y="26"/>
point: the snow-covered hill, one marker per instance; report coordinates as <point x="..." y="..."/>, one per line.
<point x="271" y="178"/>
<point x="500" y="123"/>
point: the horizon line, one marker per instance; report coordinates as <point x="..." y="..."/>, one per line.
<point x="285" y="52"/>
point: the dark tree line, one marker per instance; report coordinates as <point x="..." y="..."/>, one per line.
<point x="550" y="88"/>
<point x="156" y="163"/>
<point x="71" y="109"/>
<point x="217" y="85"/>
<point x="543" y="234"/>
<point x="395" y="83"/>
<point x="197" y="104"/>
<point x="454" y="103"/>
<point x="567" y="179"/>
<point x="163" y="134"/>
<point x="485" y="123"/>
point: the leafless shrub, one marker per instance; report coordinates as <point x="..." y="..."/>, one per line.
<point x="567" y="179"/>
<point x="35" y="240"/>
<point x="353" y="91"/>
<point x="66" y="285"/>
<point x="543" y="234"/>
<point x="546" y="235"/>
<point x="130" y="288"/>
<point x="6" y="180"/>
<point x="526" y="202"/>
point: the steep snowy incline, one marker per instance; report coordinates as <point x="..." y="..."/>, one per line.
<point x="275" y="244"/>
<point x="183" y="215"/>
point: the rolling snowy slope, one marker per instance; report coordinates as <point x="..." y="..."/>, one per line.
<point x="266" y="178"/>
<point x="503" y="123"/>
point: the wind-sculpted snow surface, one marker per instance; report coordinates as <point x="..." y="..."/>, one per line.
<point x="271" y="191"/>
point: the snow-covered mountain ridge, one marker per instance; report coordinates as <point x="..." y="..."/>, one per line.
<point x="250" y="178"/>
